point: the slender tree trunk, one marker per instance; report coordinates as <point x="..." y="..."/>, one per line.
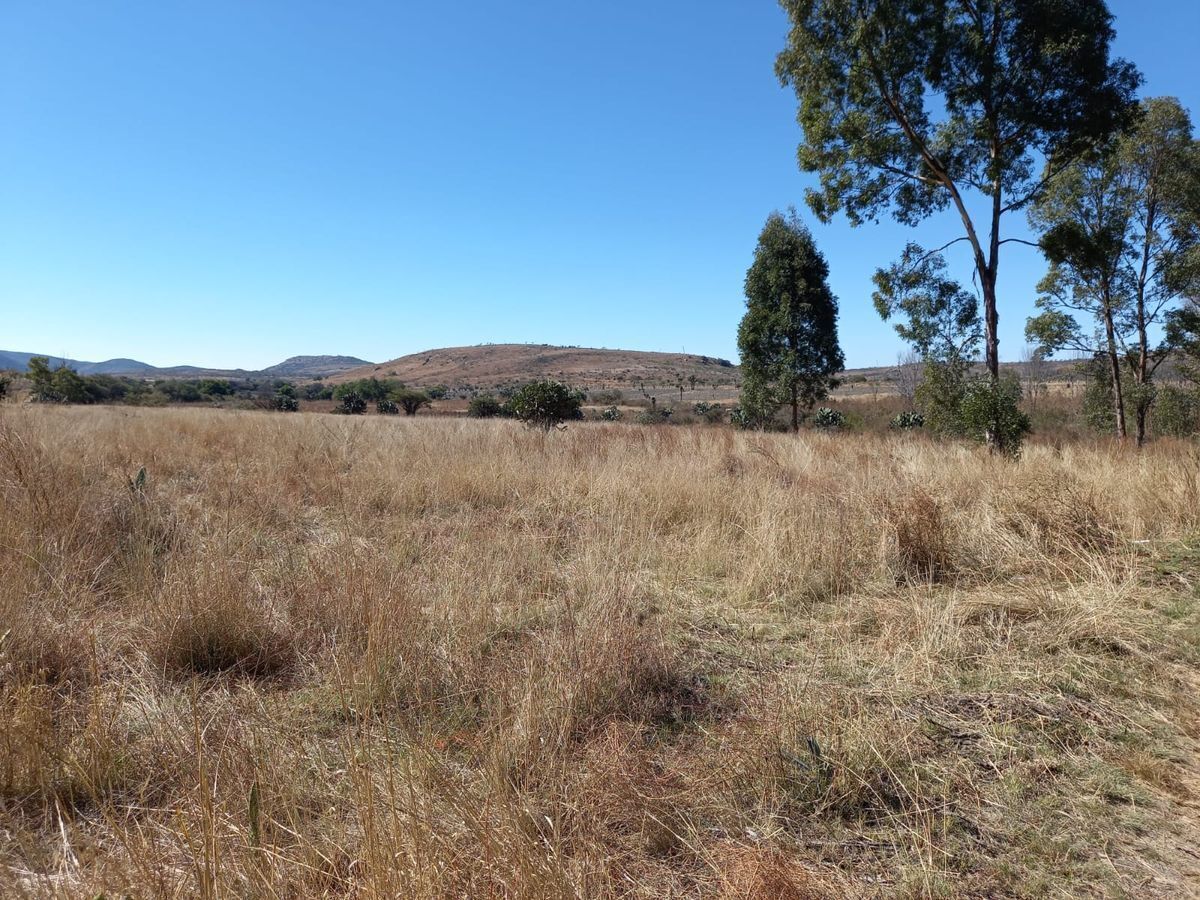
<point x="795" y="410"/>
<point x="987" y="276"/>
<point x="1142" y="374"/>
<point x="1114" y="364"/>
<point x="991" y="321"/>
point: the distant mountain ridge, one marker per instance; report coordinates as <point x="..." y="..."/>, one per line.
<point x="293" y="367"/>
<point x="315" y="365"/>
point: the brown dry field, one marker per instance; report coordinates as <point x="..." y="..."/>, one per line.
<point x="326" y="656"/>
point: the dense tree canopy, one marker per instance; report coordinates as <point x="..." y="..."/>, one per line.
<point x="788" y="336"/>
<point x="1121" y="230"/>
<point x="911" y="107"/>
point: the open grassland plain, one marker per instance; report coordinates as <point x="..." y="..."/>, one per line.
<point x="267" y="656"/>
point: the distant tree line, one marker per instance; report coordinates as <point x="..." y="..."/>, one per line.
<point x="62" y="384"/>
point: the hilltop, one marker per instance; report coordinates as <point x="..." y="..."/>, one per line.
<point x="311" y="366"/>
<point x="496" y="365"/>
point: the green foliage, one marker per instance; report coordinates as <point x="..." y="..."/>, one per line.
<point x="1121" y="230"/>
<point x="654" y="416"/>
<point x="60" y="385"/>
<point x="912" y="108"/>
<point x="1099" y="413"/>
<point x="215" y="387"/>
<point x="829" y="419"/>
<point x="387" y="407"/>
<point x="1183" y="334"/>
<point x="285" y="398"/>
<point x="709" y="412"/>
<point x="991" y="413"/>
<point x="5" y="381"/>
<point x="788" y="335"/>
<point x="64" y="385"/>
<point x="41" y="379"/>
<point x="352" y="404"/>
<point x="317" y="391"/>
<point x="940" y="395"/>
<point x="907" y="421"/>
<point x="611" y="414"/>
<point x="369" y="389"/>
<point x="485" y="406"/>
<point x="410" y="401"/>
<point x="939" y="318"/>
<point x="1177" y="412"/>
<point x="546" y="404"/>
<point x="898" y="100"/>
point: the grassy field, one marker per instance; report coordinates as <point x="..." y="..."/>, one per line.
<point x="321" y="656"/>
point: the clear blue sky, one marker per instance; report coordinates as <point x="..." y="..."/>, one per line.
<point x="229" y="183"/>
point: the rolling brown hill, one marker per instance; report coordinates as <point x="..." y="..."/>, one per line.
<point x="496" y="365"/>
<point x="492" y="366"/>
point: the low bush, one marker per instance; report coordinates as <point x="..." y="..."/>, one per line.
<point x="907" y="420"/>
<point x="828" y="419"/>
<point x="352" y="405"/>
<point x="485" y="406"/>
<point x="710" y="412"/>
<point x="546" y="404"/>
<point x="1176" y="412"/>
<point x="991" y="413"/>
<point x="655" y="415"/>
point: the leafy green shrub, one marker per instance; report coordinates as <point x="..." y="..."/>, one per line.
<point x="1098" y="412"/>
<point x="611" y="414"/>
<point x="907" y="420"/>
<point x="991" y="412"/>
<point x="709" y="412"/>
<point x="367" y="388"/>
<point x="546" y="404"/>
<point x="828" y="419"/>
<point x="410" y="401"/>
<point x="352" y="405"/>
<point x="653" y="416"/>
<point x="317" y="391"/>
<point x="285" y="398"/>
<point x="387" y="407"/>
<point x="485" y="406"/>
<point x="214" y="387"/>
<point x="739" y="418"/>
<point x="940" y="395"/>
<point x="5" y="381"/>
<point x="1177" y="412"/>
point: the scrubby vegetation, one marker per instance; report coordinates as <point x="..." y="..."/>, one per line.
<point x="546" y="404"/>
<point x="246" y="654"/>
<point x="61" y="384"/>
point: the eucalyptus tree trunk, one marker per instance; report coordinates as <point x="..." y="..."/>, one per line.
<point x="1142" y="370"/>
<point x="1114" y="365"/>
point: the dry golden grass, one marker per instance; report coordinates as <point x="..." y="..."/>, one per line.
<point x="319" y="656"/>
